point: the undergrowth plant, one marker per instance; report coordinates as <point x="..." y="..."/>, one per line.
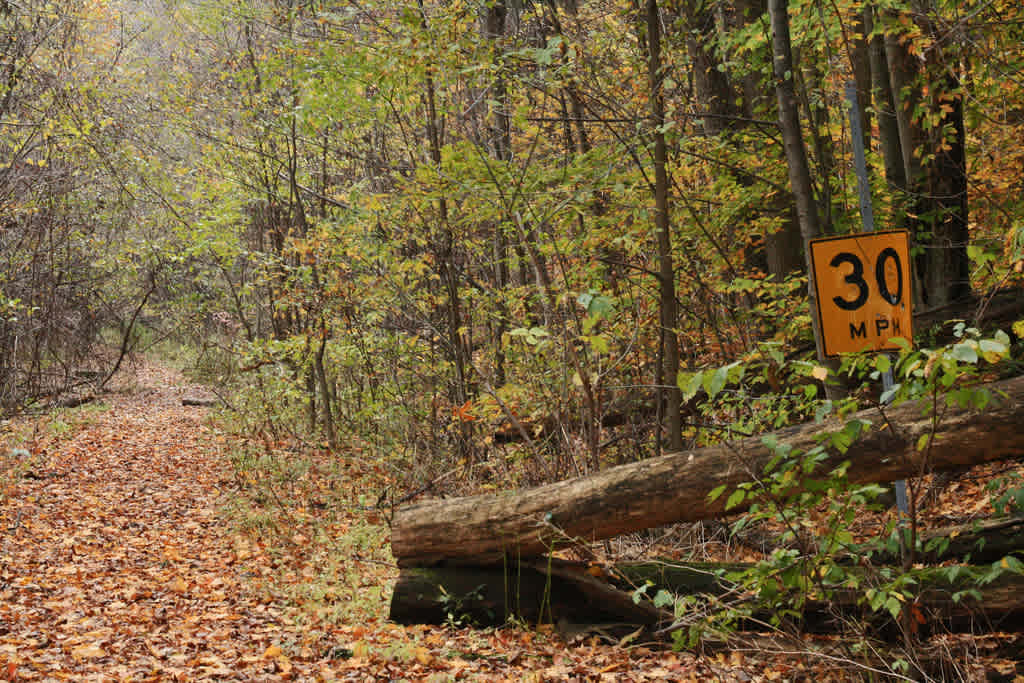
<point x="808" y="496"/>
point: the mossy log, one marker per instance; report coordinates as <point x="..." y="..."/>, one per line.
<point x="480" y="530"/>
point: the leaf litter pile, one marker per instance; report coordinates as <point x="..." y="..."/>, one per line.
<point x="141" y="542"/>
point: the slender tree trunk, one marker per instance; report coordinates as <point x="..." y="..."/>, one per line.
<point x="716" y="95"/>
<point x="325" y="390"/>
<point x="666" y="273"/>
<point x="796" y="154"/>
<point x="860" y="64"/>
<point x="884" y="105"/>
<point x="446" y="248"/>
<point x="500" y="144"/>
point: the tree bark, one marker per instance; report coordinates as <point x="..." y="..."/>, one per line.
<point x="669" y="371"/>
<point x="796" y="153"/>
<point x="674" y="488"/>
<point x="884" y="105"/>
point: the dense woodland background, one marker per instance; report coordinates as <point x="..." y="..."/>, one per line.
<point x="488" y="243"/>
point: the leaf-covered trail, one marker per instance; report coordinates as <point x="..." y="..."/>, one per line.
<point x="116" y="563"/>
<point x="114" y="560"/>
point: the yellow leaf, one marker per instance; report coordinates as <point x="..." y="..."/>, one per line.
<point x="271" y="652"/>
<point x="88" y="652"/>
<point x="423" y="656"/>
<point x="360" y="650"/>
<point x="819" y="373"/>
<point x="179" y="585"/>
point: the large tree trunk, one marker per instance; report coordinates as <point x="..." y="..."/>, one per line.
<point x="934" y="160"/>
<point x="674" y="488"/>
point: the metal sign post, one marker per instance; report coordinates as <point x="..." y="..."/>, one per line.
<point x="868" y="218"/>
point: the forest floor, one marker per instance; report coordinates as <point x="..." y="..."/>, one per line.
<point x="140" y="541"/>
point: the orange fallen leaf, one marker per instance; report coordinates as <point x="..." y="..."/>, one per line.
<point x="88" y="652"/>
<point x="179" y="585"/>
<point x="272" y="651"/>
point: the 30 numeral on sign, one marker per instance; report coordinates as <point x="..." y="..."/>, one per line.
<point x="863" y="287"/>
<point x="856" y="278"/>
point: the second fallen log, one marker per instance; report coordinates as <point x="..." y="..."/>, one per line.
<point x="482" y="529"/>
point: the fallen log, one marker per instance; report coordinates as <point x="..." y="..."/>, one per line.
<point x="535" y="591"/>
<point x="73" y="401"/>
<point x="200" y="402"/>
<point x="555" y="591"/>
<point x="985" y="541"/>
<point x="479" y="530"/>
<point x="977" y="542"/>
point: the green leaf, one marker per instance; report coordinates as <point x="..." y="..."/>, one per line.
<point x="596" y="304"/>
<point x="735" y="498"/>
<point x="888" y="394"/>
<point x="901" y="342"/>
<point x="640" y="593"/>
<point x="894" y="606"/>
<point x="663" y="598"/>
<point x="599" y="343"/>
<point x="992" y="350"/>
<point x="1011" y="563"/>
<point x="823" y="410"/>
<point x="965" y="352"/>
<point x="883" y="363"/>
<point x="715" y="382"/>
<point x="692" y="384"/>
<point x="716" y="492"/>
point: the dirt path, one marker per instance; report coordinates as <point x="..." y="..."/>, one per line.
<point x="114" y="560"/>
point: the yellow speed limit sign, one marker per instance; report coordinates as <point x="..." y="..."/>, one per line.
<point x="863" y="287"/>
